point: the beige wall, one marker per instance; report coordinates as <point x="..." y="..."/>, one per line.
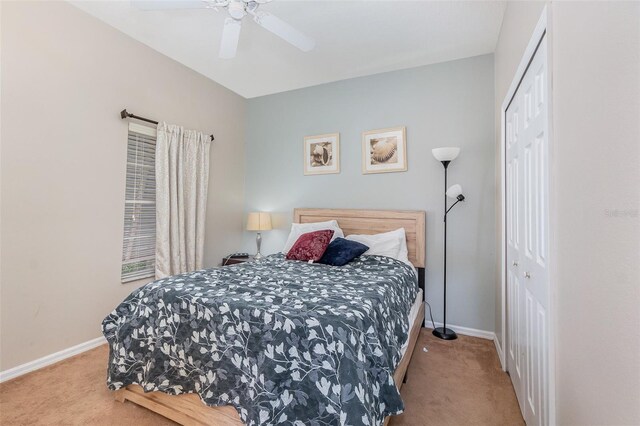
<point x="595" y="197"/>
<point x="65" y="77"/>
<point x="520" y="18"/>
<point x="596" y="165"/>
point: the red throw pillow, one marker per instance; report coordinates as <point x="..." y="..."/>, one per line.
<point x="310" y="246"/>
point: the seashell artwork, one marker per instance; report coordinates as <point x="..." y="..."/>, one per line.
<point x="322" y="154"/>
<point x="384" y="150"/>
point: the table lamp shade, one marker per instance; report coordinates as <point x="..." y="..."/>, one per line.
<point x="259" y="221"/>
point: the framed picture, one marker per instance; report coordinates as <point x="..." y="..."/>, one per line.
<point x="322" y="154"/>
<point x="384" y="150"/>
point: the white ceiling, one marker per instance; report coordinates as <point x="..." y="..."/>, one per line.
<point x="354" y="38"/>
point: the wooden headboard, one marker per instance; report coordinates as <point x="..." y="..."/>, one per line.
<point x="354" y="221"/>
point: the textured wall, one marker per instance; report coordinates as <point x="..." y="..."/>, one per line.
<point x="65" y="77"/>
<point x="447" y="104"/>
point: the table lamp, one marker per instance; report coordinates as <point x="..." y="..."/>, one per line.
<point x="258" y="221"/>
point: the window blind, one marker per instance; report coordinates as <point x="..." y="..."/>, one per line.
<point x="139" y="243"/>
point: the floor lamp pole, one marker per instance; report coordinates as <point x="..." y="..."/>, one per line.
<point x="443" y="332"/>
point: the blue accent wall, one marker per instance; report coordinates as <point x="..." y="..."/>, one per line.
<point x="445" y="104"/>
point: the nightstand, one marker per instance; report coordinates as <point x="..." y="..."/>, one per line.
<point x="226" y="261"/>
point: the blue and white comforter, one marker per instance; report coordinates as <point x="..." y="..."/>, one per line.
<point x="284" y="342"/>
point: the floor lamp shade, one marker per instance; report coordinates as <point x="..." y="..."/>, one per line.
<point x="454" y="191"/>
<point x="446" y="153"/>
<point x="259" y="221"/>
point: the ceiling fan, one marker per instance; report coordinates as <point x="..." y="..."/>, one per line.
<point x="237" y="10"/>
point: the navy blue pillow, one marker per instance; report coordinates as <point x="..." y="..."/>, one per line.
<point x="341" y="251"/>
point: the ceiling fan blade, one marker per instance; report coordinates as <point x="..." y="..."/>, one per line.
<point x="284" y="31"/>
<point x="169" y="4"/>
<point x="230" y="38"/>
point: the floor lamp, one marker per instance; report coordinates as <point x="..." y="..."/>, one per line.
<point x="445" y="156"/>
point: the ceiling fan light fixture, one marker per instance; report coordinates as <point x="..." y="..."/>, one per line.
<point x="236" y="10"/>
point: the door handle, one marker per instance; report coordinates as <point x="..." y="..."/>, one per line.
<point x="527" y="275"/>
<point x="515" y="263"/>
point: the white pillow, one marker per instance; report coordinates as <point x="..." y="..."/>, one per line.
<point x="298" y="229"/>
<point x="391" y="244"/>
<point x="403" y="255"/>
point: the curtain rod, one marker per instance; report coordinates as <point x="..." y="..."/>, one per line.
<point x="124" y="114"/>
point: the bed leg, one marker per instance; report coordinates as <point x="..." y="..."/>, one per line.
<point x="119" y="395"/>
<point x="404" y="379"/>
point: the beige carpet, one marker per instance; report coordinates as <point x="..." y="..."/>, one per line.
<point x="458" y="382"/>
<point x="454" y="383"/>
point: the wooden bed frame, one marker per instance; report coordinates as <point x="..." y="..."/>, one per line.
<point x="188" y="409"/>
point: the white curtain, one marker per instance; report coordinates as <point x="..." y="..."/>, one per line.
<point x="182" y="178"/>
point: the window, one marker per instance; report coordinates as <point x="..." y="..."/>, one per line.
<point x="139" y="244"/>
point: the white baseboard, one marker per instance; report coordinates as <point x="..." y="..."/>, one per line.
<point x="50" y="359"/>
<point x="500" y="353"/>
<point x="483" y="334"/>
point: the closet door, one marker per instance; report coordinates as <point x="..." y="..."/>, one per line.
<point x="514" y="233"/>
<point x="527" y="240"/>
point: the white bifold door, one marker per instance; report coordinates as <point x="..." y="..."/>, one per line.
<point x="527" y="279"/>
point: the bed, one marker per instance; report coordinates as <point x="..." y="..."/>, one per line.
<point x="271" y="342"/>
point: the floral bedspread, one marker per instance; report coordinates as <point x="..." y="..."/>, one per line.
<point x="284" y="342"/>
